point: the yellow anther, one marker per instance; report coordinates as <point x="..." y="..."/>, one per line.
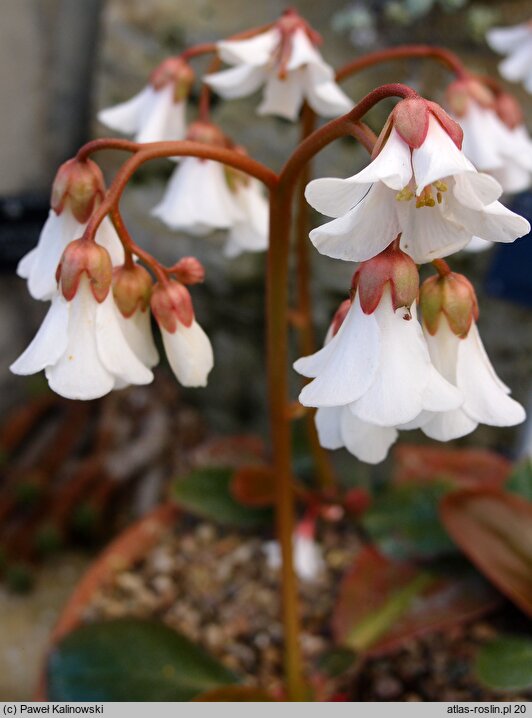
<point x="404" y="195"/>
<point x="440" y="186"/>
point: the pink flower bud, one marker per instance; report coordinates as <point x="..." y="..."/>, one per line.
<point x="391" y="266"/>
<point x="171" y="305"/>
<point x="460" y="92"/>
<point x="80" y="185"/>
<point x="176" y="71"/>
<point x="132" y="286"/>
<point x="451" y="295"/>
<point x="411" y="120"/>
<point x="81" y="256"/>
<point x="509" y="110"/>
<point x="206" y="133"/>
<point x="189" y="270"/>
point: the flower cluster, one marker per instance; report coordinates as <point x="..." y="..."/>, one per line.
<point x="516" y="42"/>
<point x="97" y="334"/>
<point x="382" y="371"/>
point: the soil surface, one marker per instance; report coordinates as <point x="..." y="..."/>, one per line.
<point x="216" y="587"/>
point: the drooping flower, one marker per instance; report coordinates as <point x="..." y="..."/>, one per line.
<point x="187" y="347"/>
<point x="286" y="61"/>
<point x="204" y="196"/>
<point x="375" y="374"/>
<point x="450" y="311"/>
<point x="495" y="137"/>
<point x="307" y="554"/>
<point x="158" y="112"/>
<point x="80" y="344"/>
<point x="516" y="42"/>
<point x="78" y="188"/>
<point x="420" y="185"/>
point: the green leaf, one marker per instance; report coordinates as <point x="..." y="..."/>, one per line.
<point x="207" y="492"/>
<point x="131" y="660"/>
<point x="520" y="481"/>
<point x="505" y="663"/>
<point x="404" y="521"/>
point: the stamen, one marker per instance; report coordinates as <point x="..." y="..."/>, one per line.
<point x="404" y="195"/>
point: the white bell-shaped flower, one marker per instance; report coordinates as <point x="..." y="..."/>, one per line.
<point x="307" y="554"/>
<point x="82" y="349"/>
<point x="425" y="189"/>
<point x="39" y="265"/>
<point x="158" y="112"/>
<point x="516" y="42"/>
<point x="138" y="334"/>
<point x="188" y="349"/>
<point x="285" y="60"/>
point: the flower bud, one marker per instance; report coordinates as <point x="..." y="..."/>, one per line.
<point x="410" y="118"/>
<point x="289" y="22"/>
<point x="81" y="256"/>
<point x="206" y="133"/>
<point x="79" y="184"/>
<point x="451" y="295"/>
<point x="177" y="71"/>
<point x="393" y="266"/>
<point x="460" y="92"/>
<point x="171" y="305"/>
<point x="189" y="270"/>
<point x="132" y="287"/>
<point x="509" y="110"/>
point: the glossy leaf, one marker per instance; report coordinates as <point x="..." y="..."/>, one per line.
<point x="404" y="521"/>
<point x="253" y="486"/>
<point x="382" y="603"/>
<point x="131" y="660"/>
<point x="458" y="467"/>
<point x="494" y="529"/>
<point x="505" y="664"/>
<point x="207" y="492"/>
<point x="235" y="694"/>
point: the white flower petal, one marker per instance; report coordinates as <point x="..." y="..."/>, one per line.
<point x="304" y="53"/>
<point x="198" y="199"/>
<point x="505" y="39"/>
<point x="250" y="234"/>
<point x="283" y="97"/>
<point x="396" y="393"/>
<point x="164" y="120"/>
<point x="107" y="237"/>
<point x="517" y="65"/>
<point x="494" y="222"/>
<point x="486" y="399"/>
<point x="127" y="116"/>
<point x="138" y="334"/>
<point x="79" y="372"/>
<point x="116" y="355"/>
<point x="256" y="50"/>
<point x="482" y="135"/>
<point x="25" y="265"/>
<point x="474" y="189"/>
<point x="363" y="231"/>
<point x="367" y="442"/>
<point x="437" y="158"/>
<point x="189" y="354"/>
<point x="449" y="425"/>
<point x="325" y="98"/>
<point x="328" y="426"/>
<point x="238" y="81"/>
<point x="478" y="245"/>
<point x="427" y="233"/>
<point x="346" y="366"/>
<point x="49" y="343"/>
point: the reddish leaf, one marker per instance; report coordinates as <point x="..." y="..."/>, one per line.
<point x="464" y="467"/>
<point x="493" y="529"/>
<point x="383" y="603"/>
<point x="253" y="486"/>
<point x="235" y="694"/>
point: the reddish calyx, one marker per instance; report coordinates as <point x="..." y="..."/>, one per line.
<point x="392" y="267"/>
<point x="85" y="257"/>
<point x="451" y="295"/>
<point x="78" y="185"/>
<point x="340" y="315"/>
<point x="132" y="287"/>
<point x="171" y="305"/>
<point x="188" y="270"/>
<point x="177" y="72"/>
<point x="289" y="22"/>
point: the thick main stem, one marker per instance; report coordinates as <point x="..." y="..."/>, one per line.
<point x="277" y="353"/>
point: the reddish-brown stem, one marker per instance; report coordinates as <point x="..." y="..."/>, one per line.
<point x="441" y="267"/>
<point x="106" y="143"/>
<point x="404" y="52"/>
<point x="132" y="248"/>
<point x="154" y="150"/>
<point x="307" y="340"/>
